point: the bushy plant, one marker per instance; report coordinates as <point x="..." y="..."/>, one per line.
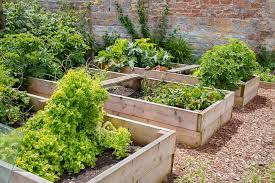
<point x="141" y="53"/>
<point x="266" y="58"/>
<point x="227" y="66"/>
<point x="68" y="47"/>
<point x="69" y="133"/>
<point x="27" y="16"/>
<point x="13" y="104"/>
<point x="179" y="95"/>
<point x="27" y="55"/>
<point x="265" y="75"/>
<point x="180" y="49"/>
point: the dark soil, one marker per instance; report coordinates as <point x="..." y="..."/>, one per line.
<point x="104" y="162"/>
<point x="124" y="91"/>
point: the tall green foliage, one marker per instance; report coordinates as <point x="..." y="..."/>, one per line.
<point x="27" y="55"/>
<point x="69" y="133"/>
<point x="46" y="44"/>
<point x="13" y="104"/>
<point x="226" y="66"/>
<point x="179" y="48"/>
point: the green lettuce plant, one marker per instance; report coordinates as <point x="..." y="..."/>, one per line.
<point x="69" y="133"/>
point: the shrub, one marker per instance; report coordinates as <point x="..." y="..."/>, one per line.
<point x="68" y="47"/>
<point x="266" y="58"/>
<point x="141" y="53"/>
<point x="27" y="16"/>
<point x="180" y="49"/>
<point x="179" y="95"/>
<point x="13" y="104"/>
<point x="27" y="55"/>
<point x="68" y="134"/>
<point x="265" y="75"/>
<point x="226" y="66"/>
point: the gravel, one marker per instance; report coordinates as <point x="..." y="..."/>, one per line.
<point x="247" y="140"/>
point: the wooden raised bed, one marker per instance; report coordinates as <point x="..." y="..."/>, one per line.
<point x="193" y="128"/>
<point x="243" y="95"/>
<point x="267" y="85"/>
<point x="150" y="164"/>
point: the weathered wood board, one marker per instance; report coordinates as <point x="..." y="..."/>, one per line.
<point x="267" y="85"/>
<point x="247" y="92"/>
<point x="151" y="164"/>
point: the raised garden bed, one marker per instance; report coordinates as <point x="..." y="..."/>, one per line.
<point x="152" y="163"/>
<point x="267" y="85"/>
<point x="193" y="128"/>
<point x="243" y="95"/>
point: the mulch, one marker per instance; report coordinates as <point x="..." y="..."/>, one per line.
<point x="247" y="140"/>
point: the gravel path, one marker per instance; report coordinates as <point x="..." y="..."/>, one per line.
<point x="247" y="140"/>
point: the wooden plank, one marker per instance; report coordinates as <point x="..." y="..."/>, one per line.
<point x="135" y="167"/>
<point x="116" y="81"/>
<point x="166" y="76"/>
<point x="37" y="102"/>
<point x="140" y="132"/>
<point x="156" y="112"/>
<point x="19" y="175"/>
<point x="184" y="136"/>
<point x="208" y="132"/>
<point x="267" y="85"/>
<point x="45" y="88"/>
<point x="110" y="74"/>
<point x="215" y="111"/>
<point x="156" y="174"/>
<point x="183" y="69"/>
<point x="251" y="90"/>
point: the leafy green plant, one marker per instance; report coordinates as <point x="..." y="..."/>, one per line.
<point x="27" y="55"/>
<point x="141" y="53"/>
<point x="227" y="66"/>
<point x="68" y="47"/>
<point x="265" y="75"/>
<point x="179" y="48"/>
<point x="266" y="58"/>
<point x="69" y="133"/>
<point x="180" y="95"/>
<point x="13" y="104"/>
<point x="126" y="21"/>
<point x="143" y="19"/>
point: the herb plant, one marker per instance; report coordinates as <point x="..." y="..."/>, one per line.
<point x="69" y="133"/>
<point x="227" y="66"/>
<point x="180" y="95"/>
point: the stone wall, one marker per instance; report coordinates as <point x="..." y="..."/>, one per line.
<point x="203" y="22"/>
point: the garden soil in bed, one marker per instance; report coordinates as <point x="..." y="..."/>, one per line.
<point x="104" y="162"/>
<point x="126" y="92"/>
<point x="246" y="142"/>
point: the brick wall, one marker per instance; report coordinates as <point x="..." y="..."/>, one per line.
<point x="203" y="22"/>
